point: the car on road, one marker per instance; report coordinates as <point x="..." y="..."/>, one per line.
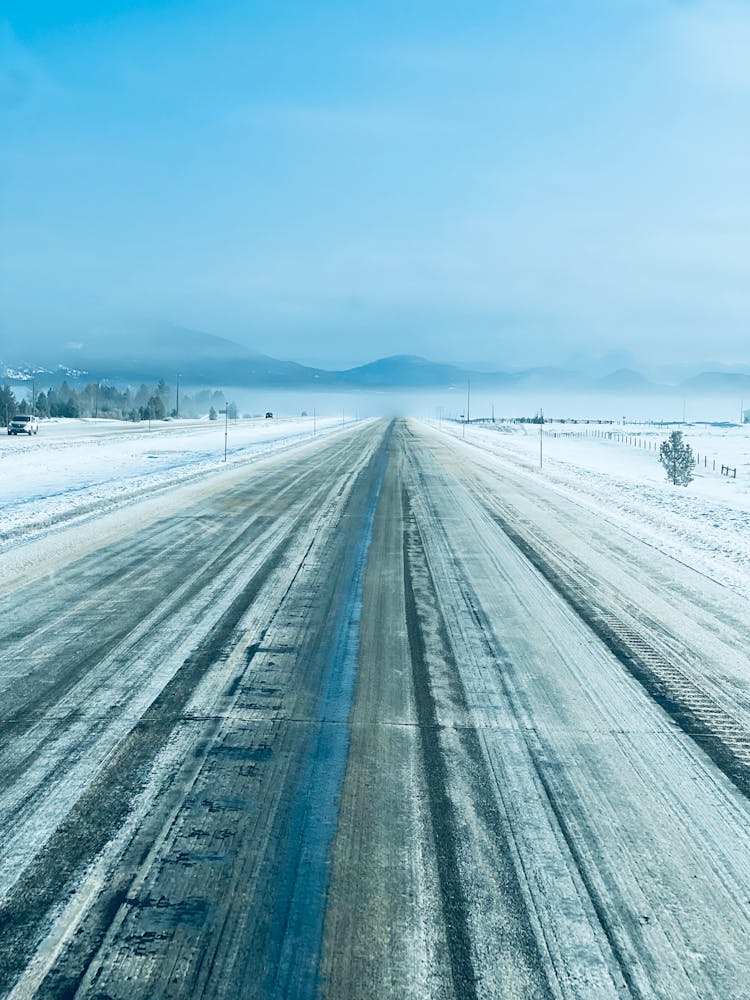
<point x="23" y="423"/>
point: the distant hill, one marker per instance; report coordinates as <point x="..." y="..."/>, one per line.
<point x="203" y="359"/>
<point x="716" y="382"/>
<point x="552" y="378"/>
<point x="146" y="354"/>
<point x="401" y="370"/>
<point x="406" y="371"/>
<point x="625" y="380"/>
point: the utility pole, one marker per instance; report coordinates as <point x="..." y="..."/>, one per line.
<point x="493" y="413"/>
<point x="177" y="408"/>
<point x="468" y="400"/>
<point x="33" y="397"/>
<point x="226" y="427"/>
<point x="541" y="438"/>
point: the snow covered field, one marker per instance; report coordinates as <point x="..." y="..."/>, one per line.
<point x="615" y="471"/>
<point x="77" y="468"/>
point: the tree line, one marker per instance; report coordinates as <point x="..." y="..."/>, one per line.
<point x="97" y="399"/>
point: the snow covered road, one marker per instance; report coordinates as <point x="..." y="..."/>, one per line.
<point x="383" y="717"/>
<point x="75" y="469"/>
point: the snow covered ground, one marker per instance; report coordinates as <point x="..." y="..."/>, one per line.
<point x="614" y="470"/>
<point x="76" y="468"/>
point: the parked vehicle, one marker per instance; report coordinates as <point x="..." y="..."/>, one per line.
<point x="269" y="415"/>
<point x="23" y="423"/>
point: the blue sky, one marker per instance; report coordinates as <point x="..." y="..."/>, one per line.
<point x="488" y="183"/>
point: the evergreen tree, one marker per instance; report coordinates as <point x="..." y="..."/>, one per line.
<point x="142" y="396"/>
<point x="156" y="409"/>
<point x="677" y="458"/>
<point x="8" y="404"/>
<point x="100" y="399"/>
<point x="42" y="405"/>
<point x="69" y="408"/>
<point x="212" y="415"/>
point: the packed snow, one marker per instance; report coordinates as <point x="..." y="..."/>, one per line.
<point x="74" y="469"/>
<point x="614" y="470"/>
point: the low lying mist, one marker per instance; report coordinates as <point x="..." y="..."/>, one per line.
<point x="452" y="404"/>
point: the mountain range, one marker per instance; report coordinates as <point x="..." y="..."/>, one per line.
<point x="202" y="359"/>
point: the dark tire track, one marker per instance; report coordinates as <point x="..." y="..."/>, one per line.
<point x="104" y="805"/>
<point x="420" y="587"/>
<point x="102" y="809"/>
<point x="690" y="722"/>
<point x="242" y="945"/>
<point x="694" y="710"/>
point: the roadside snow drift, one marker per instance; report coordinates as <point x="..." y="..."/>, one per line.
<point x="78" y="468"/>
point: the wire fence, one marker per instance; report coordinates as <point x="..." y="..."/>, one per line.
<point x="638" y="441"/>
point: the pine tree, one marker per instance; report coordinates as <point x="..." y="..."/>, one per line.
<point x="677" y="459"/>
<point x="212" y="415"/>
<point x="156" y="409"/>
<point x="42" y="405"/>
<point x="8" y="404"/>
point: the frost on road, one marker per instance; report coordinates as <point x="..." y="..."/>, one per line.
<point x="377" y="717"/>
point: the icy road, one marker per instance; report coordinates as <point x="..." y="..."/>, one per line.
<point x="375" y="718"/>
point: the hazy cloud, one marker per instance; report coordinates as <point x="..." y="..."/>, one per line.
<point x="713" y="41"/>
<point x="519" y="181"/>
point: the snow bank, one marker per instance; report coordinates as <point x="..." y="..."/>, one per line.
<point x="78" y="468"/>
<point x="619" y="477"/>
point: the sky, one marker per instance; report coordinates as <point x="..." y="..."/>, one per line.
<point x="493" y="184"/>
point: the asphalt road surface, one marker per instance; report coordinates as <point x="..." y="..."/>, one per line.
<point x="375" y="719"/>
